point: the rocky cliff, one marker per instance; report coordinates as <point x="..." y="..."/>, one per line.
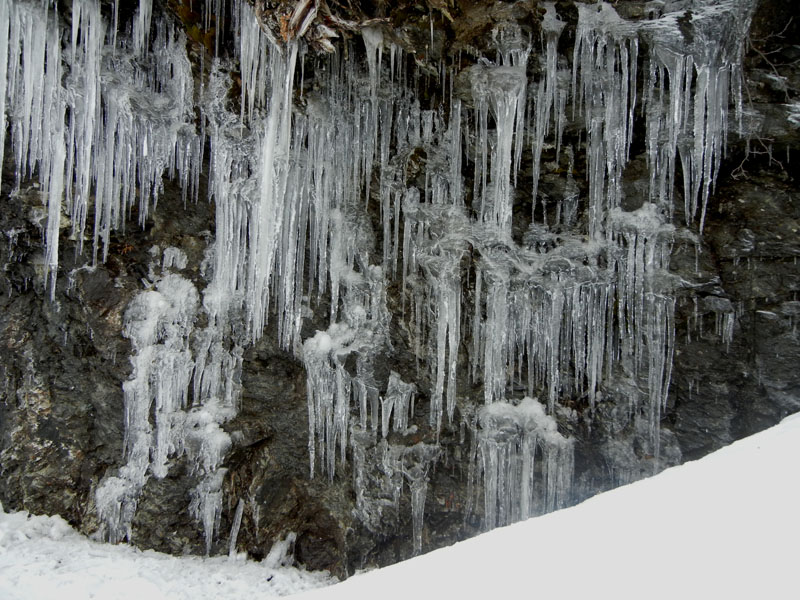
<point x="386" y="274"/>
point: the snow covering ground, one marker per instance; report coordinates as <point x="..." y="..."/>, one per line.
<point x="43" y="558"/>
<point x="726" y="526"/>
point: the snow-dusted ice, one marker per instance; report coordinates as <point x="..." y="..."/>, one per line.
<point x="725" y="526"/>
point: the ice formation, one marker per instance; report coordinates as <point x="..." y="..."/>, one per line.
<point x="158" y="323"/>
<point x="380" y="472"/>
<point x="605" y="57"/>
<point x="551" y="94"/>
<point x="510" y="438"/>
<point x="501" y="89"/>
<point x="540" y="312"/>
<point x="695" y="70"/>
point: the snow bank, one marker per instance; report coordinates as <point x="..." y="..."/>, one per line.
<point x="44" y="558"/>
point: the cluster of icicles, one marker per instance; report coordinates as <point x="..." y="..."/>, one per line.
<point x="102" y="119"/>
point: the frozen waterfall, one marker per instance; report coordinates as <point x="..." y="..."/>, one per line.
<point x="349" y="203"/>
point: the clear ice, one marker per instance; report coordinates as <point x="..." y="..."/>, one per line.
<point x="486" y="294"/>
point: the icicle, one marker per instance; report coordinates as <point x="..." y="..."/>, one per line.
<point x="443" y="274"/>
<point x="329" y="393"/>
<point x="509" y="439"/>
<point x="495" y="330"/>
<point x="373" y="40"/>
<point x="141" y="27"/>
<point x="237" y="523"/>
<point x="548" y="93"/>
<point x="646" y="307"/>
<point x="206" y="505"/>
<point x="55" y="194"/>
<point x="419" y="488"/>
<point x="255" y="51"/>
<point x="552" y="315"/>
<point x="502" y="89"/>
<point x="30" y="47"/>
<point x="379" y="469"/>
<point x="605" y="55"/>
<point x="454" y="134"/>
<point x="53" y="156"/>
<point x="158" y="323"/>
<point x="5" y="24"/>
<point x="724" y="317"/>
<point x="693" y="71"/>
<point x="267" y="222"/>
<point x="85" y="84"/>
<point x="92" y="128"/>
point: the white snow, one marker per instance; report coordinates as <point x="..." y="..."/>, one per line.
<point x="725" y="526"/>
<point x="44" y="558"/>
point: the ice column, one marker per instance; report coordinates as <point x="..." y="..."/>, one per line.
<point x="605" y="56"/>
<point x="550" y="96"/>
<point x="645" y="304"/>
<point x="695" y="64"/>
<point x="510" y="439"/>
<point x="503" y="90"/>
<point x="158" y="323"/>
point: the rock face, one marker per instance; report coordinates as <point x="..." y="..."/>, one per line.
<point x="65" y="420"/>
